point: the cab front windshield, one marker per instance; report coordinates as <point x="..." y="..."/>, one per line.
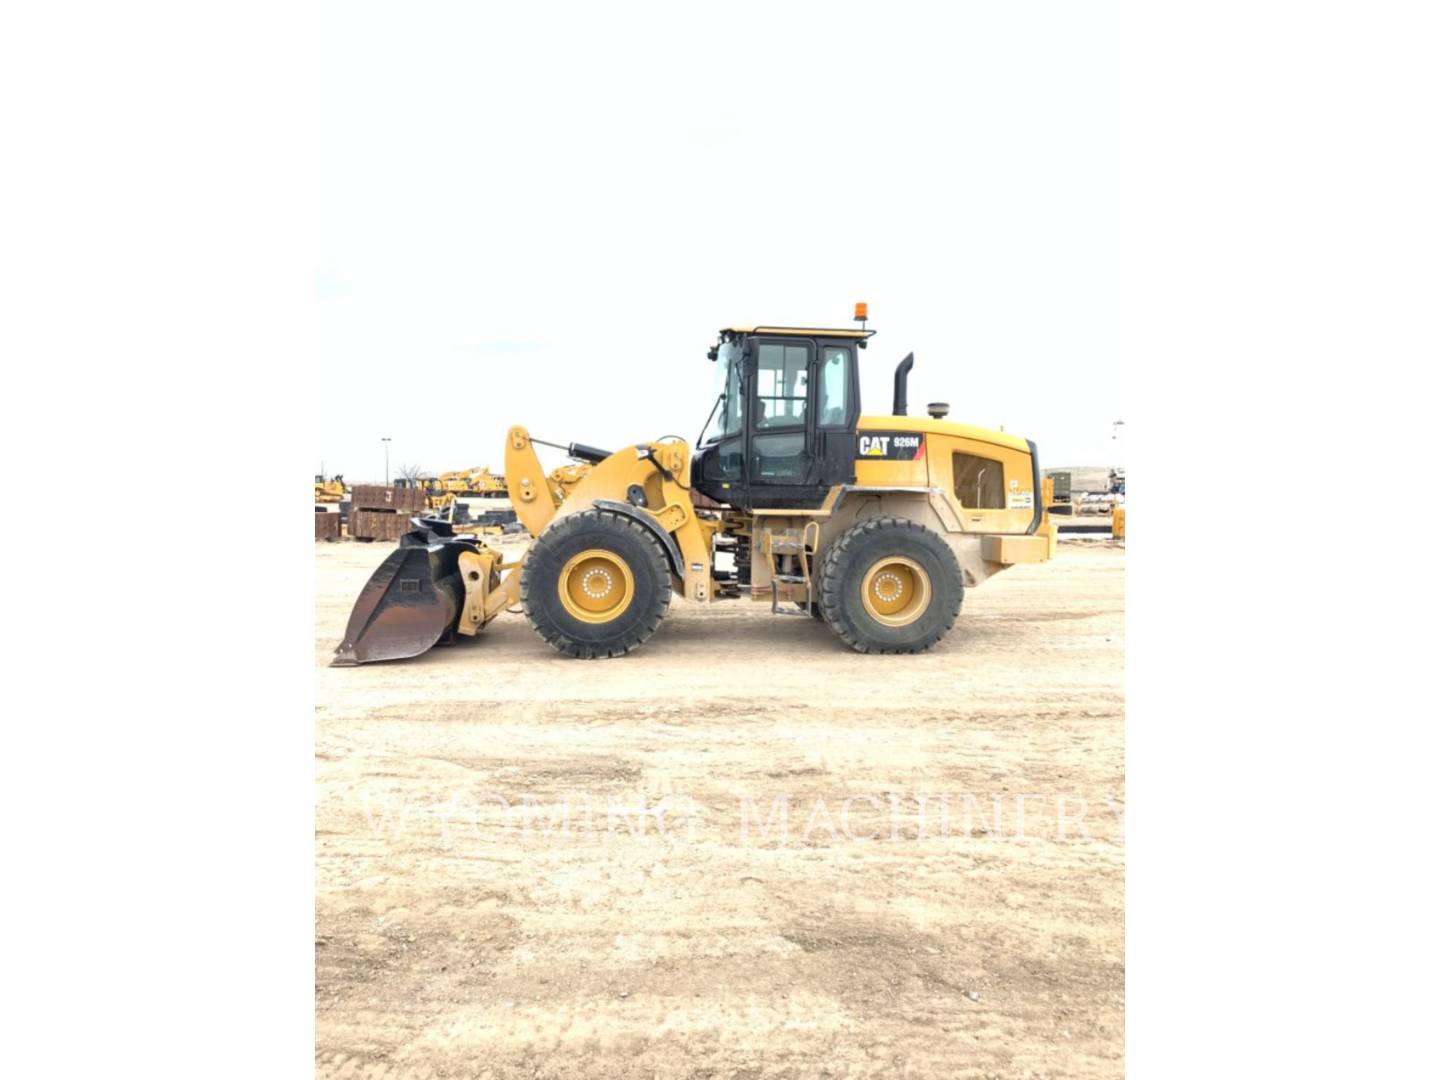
<point x="728" y="416"/>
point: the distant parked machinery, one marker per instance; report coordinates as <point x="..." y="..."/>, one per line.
<point x="472" y="499"/>
<point x="329" y="491"/>
<point x="478" y="482"/>
<point x="1057" y="501"/>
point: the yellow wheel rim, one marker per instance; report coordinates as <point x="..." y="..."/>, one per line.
<point x="596" y="586"/>
<point x="895" y="591"/>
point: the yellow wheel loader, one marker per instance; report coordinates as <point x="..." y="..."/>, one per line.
<point x="875" y="524"/>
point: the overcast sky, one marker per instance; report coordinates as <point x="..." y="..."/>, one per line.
<point x="539" y="215"/>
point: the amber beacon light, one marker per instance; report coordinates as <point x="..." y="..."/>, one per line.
<point x="862" y="312"/>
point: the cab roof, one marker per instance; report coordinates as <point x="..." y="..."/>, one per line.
<point x="797" y="331"/>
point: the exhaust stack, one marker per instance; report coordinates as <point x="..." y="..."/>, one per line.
<point x="902" y="377"/>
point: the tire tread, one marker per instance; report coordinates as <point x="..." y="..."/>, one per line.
<point x="554" y="635"/>
<point x="834" y="575"/>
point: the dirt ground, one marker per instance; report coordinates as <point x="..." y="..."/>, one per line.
<point x="741" y="851"/>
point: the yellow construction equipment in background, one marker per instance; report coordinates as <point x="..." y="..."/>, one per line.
<point x="479" y="482"/>
<point x="876" y="524"/>
<point x="329" y="491"/>
<point x="469" y="499"/>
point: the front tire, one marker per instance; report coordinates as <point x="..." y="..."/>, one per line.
<point x="889" y="585"/>
<point x="595" y="584"/>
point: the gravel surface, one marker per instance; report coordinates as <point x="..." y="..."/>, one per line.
<point x="741" y="851"/>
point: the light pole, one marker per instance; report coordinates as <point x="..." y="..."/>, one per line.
<point x="386" y="440"/>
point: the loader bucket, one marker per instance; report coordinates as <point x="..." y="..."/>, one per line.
<point x="411" y="602"/>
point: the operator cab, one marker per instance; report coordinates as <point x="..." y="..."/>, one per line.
<point x="781" y="433"/>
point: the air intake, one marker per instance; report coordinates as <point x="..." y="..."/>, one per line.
<point x="938" y="410"/>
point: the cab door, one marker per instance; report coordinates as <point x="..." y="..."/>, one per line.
<point x="837" y="410"/>
<point x="780" y="455"/>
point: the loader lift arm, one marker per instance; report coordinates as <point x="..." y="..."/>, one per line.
<point x="535" y="504"/>
<point x="643" y="482"/>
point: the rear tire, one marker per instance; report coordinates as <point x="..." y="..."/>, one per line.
<point x="889" y="585"/>
<point x="595" y="584"/>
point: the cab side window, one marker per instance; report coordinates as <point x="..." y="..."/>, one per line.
<point x="781" y="385"/>
<point x="979" y="482"/>
<point x="834" y="386"/>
